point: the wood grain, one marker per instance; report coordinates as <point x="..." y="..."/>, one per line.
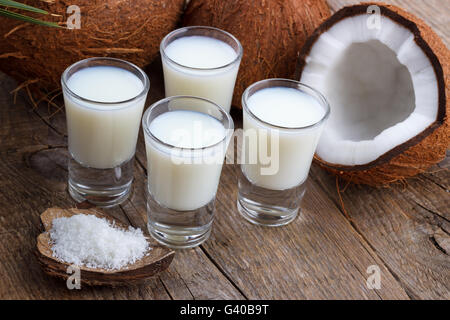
<point x="324" y="254"/>
<point x="311" y="258"/>
<point x="401" y="224"/>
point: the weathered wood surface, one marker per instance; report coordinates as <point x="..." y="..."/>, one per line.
<point x="404" y="230"/>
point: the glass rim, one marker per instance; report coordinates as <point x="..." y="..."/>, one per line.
<point x="299" y="86"/>
<point x="145" y="89"/>
<point x="238" y="57"/>
<point x="146" y="123"/>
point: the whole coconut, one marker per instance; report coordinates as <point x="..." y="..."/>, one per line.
<point x="126" y="29"/>
<point x="271" y="33"/>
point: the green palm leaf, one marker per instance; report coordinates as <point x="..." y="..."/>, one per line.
<point x="18" y="5"/>
<point x="18" y="16"/>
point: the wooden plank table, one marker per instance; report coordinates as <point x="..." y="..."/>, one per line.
<point x="404" y="229"/>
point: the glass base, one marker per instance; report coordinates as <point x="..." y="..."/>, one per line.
<point x="264" y="215"/>
<point x="266" y="207"/>
<point x="179" y="229"/>
<point x="101" y="187"/>
<point x="179" y="238"/>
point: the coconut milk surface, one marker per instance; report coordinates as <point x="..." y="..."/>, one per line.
<point x="187" y="129"/>
<point x="285" y="107"/>
<point x="105" y="84"/>
<point x="200" y="52"/>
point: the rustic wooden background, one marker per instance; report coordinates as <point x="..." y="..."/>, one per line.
<point x="325" y="253"/>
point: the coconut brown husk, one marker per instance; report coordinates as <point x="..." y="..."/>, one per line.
<point x="130" y="30"/>
<point x="156" y="260"/>
<point x="271" y="33"/>
<point x="426" y="149"/>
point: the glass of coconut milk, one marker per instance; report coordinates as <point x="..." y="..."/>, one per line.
<point x="201" y="61"/>
<point x="186" y="139"/>
<point x="104" y="100"/>
<point x="282" y="123"/>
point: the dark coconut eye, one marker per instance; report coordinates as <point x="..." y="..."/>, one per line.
<point x="385" y="84"/>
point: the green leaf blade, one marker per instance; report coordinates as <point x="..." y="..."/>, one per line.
<point x="18" y="5"/>
<point x="22" y="17"/>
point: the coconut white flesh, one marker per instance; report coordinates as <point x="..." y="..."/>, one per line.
<point x="381" y="87"/>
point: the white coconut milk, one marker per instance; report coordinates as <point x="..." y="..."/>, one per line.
<point x="187" y="180"/>
<point x="290" y="148"/>
<point x="194" y="71"/>
<point x="103" y="134"/>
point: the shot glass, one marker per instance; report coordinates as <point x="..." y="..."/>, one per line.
<point x="282" y="123"/>
<point x="201" y="61"/>
<point x="104" y="100"/>
<point x="186" y="139"/>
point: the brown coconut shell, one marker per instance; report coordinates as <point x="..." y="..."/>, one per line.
<point x="130" y="30"/>
<point x="271" y="33"/>
<point x="427" y="148"/>
<point x="155" y="261"/>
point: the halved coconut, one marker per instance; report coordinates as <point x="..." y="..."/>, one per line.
<point x="384" y="78"/>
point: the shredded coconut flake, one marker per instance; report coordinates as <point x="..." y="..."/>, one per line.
<point x="87" y="240"/>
